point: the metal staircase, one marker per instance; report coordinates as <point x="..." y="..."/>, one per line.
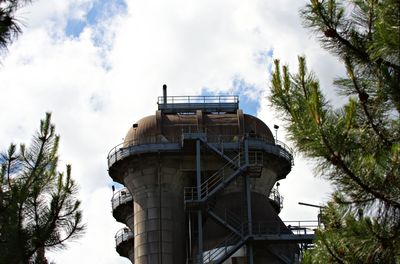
<point x="230" y="221"/>
<point x="224" y="176"/>
<point x="223" y="250"/>
<point x="216" y="182"/>
<point x="240" y="163"/>
<point x="232" y="242"/>
<point x="237" y="162"/>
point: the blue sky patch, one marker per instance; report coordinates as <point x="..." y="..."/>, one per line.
<point x="74" y="27"/>
<point x="249" y="94"/>
<point x="103" y="9"/>
<point x="100" y="10"/>
<point x="264" y="57"/>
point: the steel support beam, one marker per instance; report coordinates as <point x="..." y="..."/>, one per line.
<point x="249" y="246"/>
<point x="199" y="213"/>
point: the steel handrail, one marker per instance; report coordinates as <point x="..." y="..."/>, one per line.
<point x="232" y="219"/>
<point x="275" y="227"/>
<point x="218" y="176"/>
<point x="255" y="158"/>
<point x="198" y="99"/>
<point x="286" y="148"/>
<point x="120" y="197"/>
<point x="122" y="235"/>
<point x="117" y="152"/>
<point x="211" y="182"/>
<point x="276" y="196"/>
<point x="302" y="226"/>
<point x="221" y="248"/>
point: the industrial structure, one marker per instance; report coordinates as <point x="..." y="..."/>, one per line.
<point x="200" y="177"/>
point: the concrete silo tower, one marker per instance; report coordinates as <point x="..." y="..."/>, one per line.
<point x="199" y="177"/>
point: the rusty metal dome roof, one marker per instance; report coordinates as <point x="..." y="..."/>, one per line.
<point x="163" y="127"/>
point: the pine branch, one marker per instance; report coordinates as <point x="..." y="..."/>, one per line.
<point x="363" y="96"/>
<point x="356" y="146"/>
<point x="36" y="221"/>
<point x="379" y="195"/>
<point x="338" y="162"/>
<point x="331" y="252"/>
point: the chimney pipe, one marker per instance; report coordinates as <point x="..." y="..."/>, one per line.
<point x="165" y="93"/>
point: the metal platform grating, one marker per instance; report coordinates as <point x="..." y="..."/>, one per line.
<point x="189" y="104"/>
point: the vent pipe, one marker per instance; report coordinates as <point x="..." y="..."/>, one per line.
<point x="165" y="93"/>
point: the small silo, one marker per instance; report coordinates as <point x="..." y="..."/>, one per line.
<point x="199" y="177"/>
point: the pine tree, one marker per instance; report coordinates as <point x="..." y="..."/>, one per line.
<point x="356" y="145"/>
<point x="10" y="26"/>
<point x="38" y="205"/>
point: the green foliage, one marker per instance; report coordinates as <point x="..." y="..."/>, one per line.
<point x="352" y="237"/>
<point x="356" y="146"/>
<point x="38" y="207"/>
<point x="10" y="27"/>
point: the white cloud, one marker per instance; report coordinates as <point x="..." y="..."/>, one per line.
<point x="101" y="82"/>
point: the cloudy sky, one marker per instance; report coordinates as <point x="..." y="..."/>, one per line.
<point x="99" y="65"/>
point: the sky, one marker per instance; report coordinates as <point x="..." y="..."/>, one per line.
<point x="99" y="65"/>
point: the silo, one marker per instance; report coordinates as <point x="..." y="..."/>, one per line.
<point x="200" y="176"/>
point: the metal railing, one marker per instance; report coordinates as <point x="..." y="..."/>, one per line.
<point x="124" y="149"/>
<point x="299" y="227"/>
<point x="232" y="219"/>
<point x="303" y="227"/>
<point x="190" y="104"/>
<point x="121" y="197"/>
<point x="221" y="99"/>
<point x="288" y="153"/>
<point x="231" y="242"/>
<point x="222" y="248"/>
<point x="255" y="158"/>
<point x="123" y="235"/>
<point x="275" y="196"/>
<point x="190" y="193"/>
<point x="268" y="228"/>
